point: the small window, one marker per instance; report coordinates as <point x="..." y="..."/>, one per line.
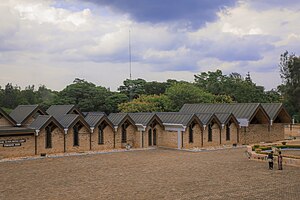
<point x="228" y="132"/>
<point x="100" y="135"/>
<point x="210" y="132"/>
<point x="150" y="137"/>
<point x="191" y="134"/>
<point x="75" y="136"/>
<point x="124" y="133"/>
<point x="48" y="137"/>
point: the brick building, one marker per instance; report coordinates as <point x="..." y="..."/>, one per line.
<point x="29" y="130"/>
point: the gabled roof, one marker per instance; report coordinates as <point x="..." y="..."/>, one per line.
<point x="69" y="120"/>
<point x="144" y="119"/>
<point x="96" y="118"/>
<point x="22" y="112"/>
<point x="274" y="109"/>
<point x="59" y="111"/>
<point x="206" y="118"/>
<point x="224" y="118"/>
<point x="119" y="118"/>
<point x="239" y="110"/>
<point x="176" y="118"/>
<point x="42" y="121"/>
<point x="7" y="117"/>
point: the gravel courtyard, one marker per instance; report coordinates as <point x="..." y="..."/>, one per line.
<point x="149" y="174"/>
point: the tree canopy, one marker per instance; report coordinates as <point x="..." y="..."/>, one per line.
<point x="290" y="89"/>
<point x="141" y="96"/>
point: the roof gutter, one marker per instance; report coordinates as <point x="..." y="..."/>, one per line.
<point x="174" y="127"/>
<point x="140" y="127"/>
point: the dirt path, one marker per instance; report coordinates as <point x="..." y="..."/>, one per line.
<point x="152" y="174"/>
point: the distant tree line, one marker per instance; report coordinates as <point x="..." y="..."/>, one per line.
<point x="141" y="96"/>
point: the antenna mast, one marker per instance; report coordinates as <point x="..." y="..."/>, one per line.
<point x="129" y="45"/>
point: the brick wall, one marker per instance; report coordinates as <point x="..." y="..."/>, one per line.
<point x="28" y="121"/>
<point x="168" y="139"/>
<point x="57" y="142"/>
<point x="131" y="135"/>
<point x="276" y="132"/>
<point x="215" y="136"/>
<point x="4" y="121"/>
<point x="108" y="137"/>
<point x="84" y="140"/>
<point x="196" y="139"/>
<point x="292" y="130"/>
<point x="233" y="135"/>
<point x="255" y="133"/>
<point x="27" y="148"/>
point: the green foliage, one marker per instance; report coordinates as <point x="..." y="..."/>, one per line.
<point x="240" y="90"/>
<point x="112" y="102"/>
<point x="146" y="103"/>
<point x="133" y="88"/>
<point x="290" y="74"/>
<point x="87" y="96"/>
<point x="182" y="93"/>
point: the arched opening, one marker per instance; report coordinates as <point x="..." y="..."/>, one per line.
<point x="210" y="125"/>
<point x="150" y="137"/>
<point x="76" y="129"/>
<point x="154" y="137"/>
<point x="101" y="128"/>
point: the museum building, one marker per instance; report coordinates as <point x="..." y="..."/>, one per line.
<point x="29" y="130"/>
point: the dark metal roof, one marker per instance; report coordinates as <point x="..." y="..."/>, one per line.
<point x="141" y="118"/>
<point x="94" y="118"/>
<point x="59" y="111"/>
<point x="23" y="112"/>
<point x="117" y="118"/>
<point x="7" y="117"/>
<point x="67" y="120"/>
<point x="272" y="109"/>
<point x="175" y="117"/>
<point x="239" y="110"/>
<point x="39" y="122"/>
<point x="224" y="117"/>
<point x="42" y="120"/>
<point x="205" y="118"/>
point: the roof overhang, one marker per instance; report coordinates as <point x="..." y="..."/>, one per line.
<point x="174" y="127"/>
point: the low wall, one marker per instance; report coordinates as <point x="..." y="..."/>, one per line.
<point x="262" y="157"/>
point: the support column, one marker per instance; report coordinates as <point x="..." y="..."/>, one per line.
<point x="35" y="141"/>
<point x="115" y="132"/>
<point x="65" y="146"/>
<point x="91" y="131"/>
<point x="142" y="139"/>
<point x="178" y="138"/>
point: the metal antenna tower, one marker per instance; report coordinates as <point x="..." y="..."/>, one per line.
<point x="129" y="46"/>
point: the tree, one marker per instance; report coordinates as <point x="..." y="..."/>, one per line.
<point x="211" y="81"/>
<point x="155" y="87"/>
<point x="182" y="93"/>
<point x="11" y="97"/>
<point x="133" y="88"/>
<point x="112" y="101"/>
<point x="87" y="96"/>
<point x="234" y="85"/>
<point x="290" y="73"/>
<point x="45" y="96"/>
<point x="146" y="103"/>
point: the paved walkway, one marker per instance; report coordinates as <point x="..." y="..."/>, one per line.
<point x="151" y="174"/>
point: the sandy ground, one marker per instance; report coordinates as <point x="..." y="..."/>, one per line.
<point x="151" y="174"/>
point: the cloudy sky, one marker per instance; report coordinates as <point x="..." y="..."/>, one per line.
<point x="52" y="42"/>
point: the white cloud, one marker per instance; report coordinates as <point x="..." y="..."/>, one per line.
<point x="42" y="42"/>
